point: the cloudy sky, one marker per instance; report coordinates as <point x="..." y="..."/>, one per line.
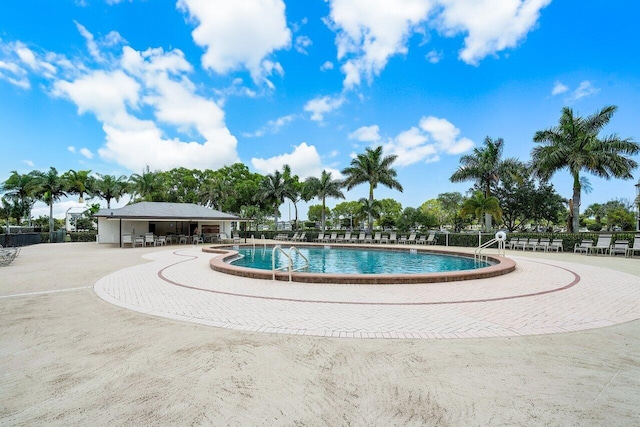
<point x="115" y="85"/>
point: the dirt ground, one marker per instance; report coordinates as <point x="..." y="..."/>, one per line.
<point x="69" y="358"/>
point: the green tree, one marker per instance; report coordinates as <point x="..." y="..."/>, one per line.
<point x="110" y="187"/>
<point x="373" y="168"/>
<point x="20" y="190"/>
<point x="77" y="182"/>
<point x="316" y="213"/>
<point x="478" y="205"/>
<point x="147" y="187"/>
<point x="348" y="211"/>
<point x="486" y="167"/>
<point x="452" y="203"/>
<point x="390" y="210"/>
<point x="322" y="187"/>
<point x="434" y="208"/>
<point x="575" y="145"/>
<point x="50" y="188"/>
<point x="273" y="189"/>
<point x="412" y="219"/>
<point x="293" y="190"/>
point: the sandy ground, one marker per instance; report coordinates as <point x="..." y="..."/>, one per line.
<point x="70" y="358"/>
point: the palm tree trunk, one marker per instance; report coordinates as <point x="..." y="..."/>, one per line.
<point x="576" y="203"/>
<point x="322" y="218"/>
<point x="487" y="216"/>
<point x="51" y="222"/>
<point x="370" y="204"/>
<point x="275" y="216"/>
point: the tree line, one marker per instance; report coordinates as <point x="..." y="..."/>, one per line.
<point x="509" y="191"/>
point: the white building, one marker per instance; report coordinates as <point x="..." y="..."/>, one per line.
<point x="162" y="219"/>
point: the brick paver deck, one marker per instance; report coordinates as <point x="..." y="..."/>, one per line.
<point x="540" y="297"/>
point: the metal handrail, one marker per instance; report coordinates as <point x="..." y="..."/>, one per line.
<point x="306" y="260"/>
<point x="478" y="256"/>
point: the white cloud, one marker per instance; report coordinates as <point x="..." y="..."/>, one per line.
<point x="585" y="89"/>
<point x="423" y="143"/>
<point x="29" y="163"/>
<point x="86" y="153"/>
<point x="366" y="134"/>
<point x="320" y="106"/>
<point x="302" y="43"/>
<point x="272" y="126"/>
<point x="369" y="32"/>
<point x="92" y="46"/>
<point x="490" y="25"/>
<point x="328" y="65"/>
<point x="304" y="161"/>
<point x="434" y="56"/>
<point x="559" y="88"/>
<point x="71" y="149"/>
<point x="238" y="34"/>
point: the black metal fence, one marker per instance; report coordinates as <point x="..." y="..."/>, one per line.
<point x="19" y="239"/>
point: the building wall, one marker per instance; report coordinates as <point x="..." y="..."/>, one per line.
<point x="109" y="229"/>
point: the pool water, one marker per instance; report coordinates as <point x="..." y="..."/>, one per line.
<point x="357" y="261"/>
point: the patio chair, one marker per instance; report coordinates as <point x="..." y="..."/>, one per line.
<point x="320" y="237"/>
<point x="294" y="237"/>
<point x="368" y="239"/>
<point x="196" y="239"/>
<point x="393" y="237"/>
<point x="127" y="239"/>
<point x="149" y="239"/>
<point x="302" y="237"/>
<point x="431" y="238"/>
<point x="377" y="238"/>
<point x="138" y="240"/>
<point x="7" y="255"/>
<point x="531" y="244"/>
<point x="346" y="238"/>
<point x="603" y="246"/>
<point x="333" y="238"/>
<point x="521" y="243"/>
<point x="422" y="240"/>
<point x="635" y="248"/>
<point x="513" y="242"/>
<point x="359" y="239"/>
<point x="160" y="241"/>
<point x="384" y="239"/>
<point x="583" y="247"/>
<point x="619" y="247"/>
<point x="543" y="244"/>
<point x="556" y="245"/>
<point x="236" y="238"/>
<point x="410" y="240"/>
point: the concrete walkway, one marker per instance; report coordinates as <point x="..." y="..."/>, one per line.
<point x="546" y="294"/>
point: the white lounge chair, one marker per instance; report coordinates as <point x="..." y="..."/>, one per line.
<point x="556" y="245"/>
<point x="583" y="247"/>
<point x="412" y="239"/>
<point x="603" y="246"/>
<point x="635" y="248"/>
<point x="377" y="238"/>
<point x="320" y="237"/>
<point x="619" y="247"/>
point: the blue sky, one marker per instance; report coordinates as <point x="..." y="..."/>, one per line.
<point x="112" y="86"/>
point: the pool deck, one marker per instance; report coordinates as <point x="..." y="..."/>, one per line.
<point x="546" y="294"/>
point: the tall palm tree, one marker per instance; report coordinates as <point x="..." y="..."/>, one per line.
<point x="479" y="205"/>
<point x="50" y="188"/>
<point x="273" y="188"/>
<point x="214" y="191"/>
<point x="77" y="182"/>
<point x="293" y="190"/>
<point x="373" y="168"/>
<point x="322" y="188"/>
<point x="109" y="187"/>
<point x="575" y="145"/>
<point x="485" y="166"/>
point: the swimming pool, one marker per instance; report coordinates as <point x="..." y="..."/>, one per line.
<point x="496" y="266"/>
<point x="355" y="261"/>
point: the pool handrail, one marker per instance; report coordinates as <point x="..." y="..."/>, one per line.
<point x="477" y="254"/>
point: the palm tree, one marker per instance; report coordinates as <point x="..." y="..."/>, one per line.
<point x="77" y="183"/>
<point x="485" y="166"/>
<point x="109" y="187"/>
<point x="574" y="144"/>
<point x="293" y="190"/>
<point x="369" y="209"/>
<point x="480" y="205"/>
<point x="146" y="187"/>
<point x="214" y="191"/>
<point x="50" y="188"/>
<point x="322" y="188"/>
<point x="20" y="189"/>
<point x="371" y="167"/>
<point x="273" y="189"/>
